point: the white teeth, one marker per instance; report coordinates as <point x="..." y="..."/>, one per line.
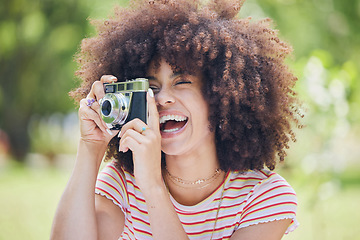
<point x="172" y="117"/>
<point x="170" y="130"/>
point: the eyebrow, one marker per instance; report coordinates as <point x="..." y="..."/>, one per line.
<point x="174" y="75"/>
<point x="150" y="78"/>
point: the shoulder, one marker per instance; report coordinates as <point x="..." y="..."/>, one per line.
<point x="112" y="183"/>
<point x="111" y="173"/>
<point x="259" y="181"/>
<point x="266" y="197"/>
<point x="262" y="185"/>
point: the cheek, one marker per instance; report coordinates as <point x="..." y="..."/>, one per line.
<point x="201" y="113"/>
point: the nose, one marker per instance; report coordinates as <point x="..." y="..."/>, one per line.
<point x="164" y="97"/>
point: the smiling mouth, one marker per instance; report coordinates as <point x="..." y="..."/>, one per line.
<point x="172" y="123"/>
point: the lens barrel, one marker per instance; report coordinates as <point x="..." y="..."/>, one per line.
<point x="114" y="109"/>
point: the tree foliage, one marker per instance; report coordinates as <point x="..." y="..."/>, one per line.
<point x="38" y="39"/>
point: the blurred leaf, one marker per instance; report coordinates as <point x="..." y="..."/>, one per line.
<point x="33" y="26"/>
<point x="8" y="37"/>
<point x="64" y="38"/>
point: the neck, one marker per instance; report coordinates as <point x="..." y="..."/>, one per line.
<point x="192" y="195"/>
<point x="197" y="165"/>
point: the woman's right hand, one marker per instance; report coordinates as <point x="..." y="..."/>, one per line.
<point x="92" y="128"/>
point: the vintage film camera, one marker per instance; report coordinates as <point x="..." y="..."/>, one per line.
<point x="124" y="101"/>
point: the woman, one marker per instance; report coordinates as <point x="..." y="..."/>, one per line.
<point x="221" y="107"/>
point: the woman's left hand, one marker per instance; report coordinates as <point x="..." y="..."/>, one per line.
<point x="144" y="140"/>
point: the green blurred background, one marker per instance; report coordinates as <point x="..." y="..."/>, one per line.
<point x="38" y="121"/>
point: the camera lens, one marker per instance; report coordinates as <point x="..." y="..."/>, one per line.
<point x="106" y="108"/>
<point x="114" y="108"/>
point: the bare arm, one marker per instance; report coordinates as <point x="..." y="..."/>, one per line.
<point x="76" y="216"/>
<point x="110" y="218"/>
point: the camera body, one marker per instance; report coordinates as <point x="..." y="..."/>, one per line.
<point x="123" y="102"/>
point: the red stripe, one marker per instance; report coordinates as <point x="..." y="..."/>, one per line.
<point x="210" y="230"/>
<point x="269" y="206"/>
<point x="240" y="188"/>
<point x="209" y="220"/>
<point x="140" y="210"/>
<point x="119" y="176"/>
<point x="126" y="233"/>
<point x="266" y="174"/>
<point x="131" y="231"/>
<point x="208" y="210"/>
<point x="245" y="179"/>
<point x="143" y="231"/>
<point x="107" y="183"/>
<point x="249" y="206"/>
<point x="132" y="184"/>
<point x="235" y="196"/>
<point x="223" y="228"/>
<point x="267" y="216"/>
<point x="141" y="220"/>
<point x="113" y="198"/>
<point x="263" y="193"/>
<point x="136" y="197"/>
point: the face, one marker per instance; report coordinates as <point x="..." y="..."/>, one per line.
<point x="183" y="112"/>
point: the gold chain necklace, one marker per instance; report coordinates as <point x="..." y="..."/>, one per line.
<point x="192" y="184"/>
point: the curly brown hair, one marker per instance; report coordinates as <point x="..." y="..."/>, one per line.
<point x="246" y="82"/>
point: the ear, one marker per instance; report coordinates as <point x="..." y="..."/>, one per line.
<point x="226" y="8"/>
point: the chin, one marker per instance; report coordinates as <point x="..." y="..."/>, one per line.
<point x="173" y="149"/>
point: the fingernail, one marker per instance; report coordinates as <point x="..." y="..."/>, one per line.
<point x="119" y="135"/>
<point x="151" y="93"/>
<point x="113" y="78"/>
<point x="109" y="131"/>
<point x="123" y="150"/>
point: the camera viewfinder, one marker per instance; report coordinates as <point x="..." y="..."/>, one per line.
<point x="130" y="86"/>
<point x="110" y="88"/>
<point x="121" y="87"/>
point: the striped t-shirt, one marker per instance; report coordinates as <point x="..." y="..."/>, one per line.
<point x="249" y="198"/>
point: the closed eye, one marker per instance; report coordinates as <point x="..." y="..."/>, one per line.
<point x="183" y="82"/>
<point x="155" y="89"/>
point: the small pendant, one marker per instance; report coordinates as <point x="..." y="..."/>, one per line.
<point x="199" y="181"/>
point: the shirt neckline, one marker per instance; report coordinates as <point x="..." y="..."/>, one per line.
<point x="203" y="203"/>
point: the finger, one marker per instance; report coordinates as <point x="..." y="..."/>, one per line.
<point x="96" y="107"/>
<point x="97" y="89"/>
<point x="108" y="79"/>
<point x="90" y="101"/>
<point x="136" y="125"/>
<point x="87" y="113"/>
<point x="153" y="120"/>
<point x="127" y="143"/>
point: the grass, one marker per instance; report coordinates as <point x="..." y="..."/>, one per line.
<point x="328" y="206"/>
<point x="28" y="201"/>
